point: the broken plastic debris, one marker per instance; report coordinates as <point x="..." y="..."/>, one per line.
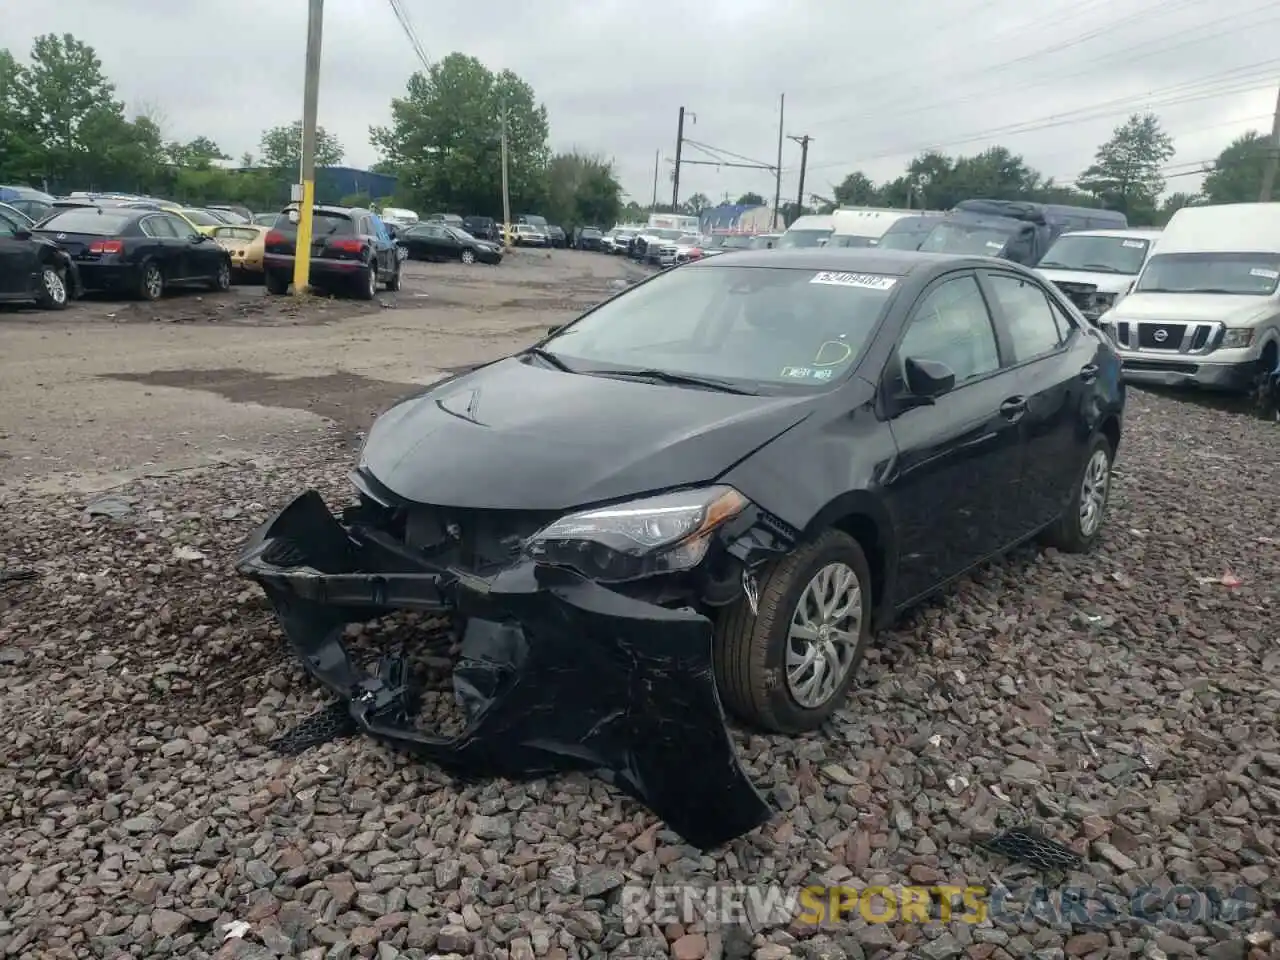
<point x="957" y="783"/>
<point x="960" y="677"/>
<point x="235" y="930"/>
<point x="1228" y="580"/>
<point x="187" y="553"/>
<point x="936" y="740"/>
<point x="999" y="794"/>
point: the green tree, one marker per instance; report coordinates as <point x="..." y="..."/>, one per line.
<point x="445" y="138"/>
<point x="281" y="148"/>
<point x="1125" y="174"/>
<point x="582" y="190"/>
<point x="697" y="203"/>
<point x="857" y="190"/>
<point x="1236" y="175"/>
<point x="15" y="140"/>
<point x="1175" y="202"/>
<point x="200" y="152"/>
<point x="750" y="200"/>
<point x="632" y="212"/>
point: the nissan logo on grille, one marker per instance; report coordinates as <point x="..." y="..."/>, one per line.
<point x="1161" y="336"/>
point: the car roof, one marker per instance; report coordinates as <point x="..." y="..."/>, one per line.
<point x="1130" y="233"/>
<point x="897" y="263"/>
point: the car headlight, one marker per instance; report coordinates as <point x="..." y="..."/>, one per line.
<point x="1237" y="337"/>
<point x="662" y="534"/>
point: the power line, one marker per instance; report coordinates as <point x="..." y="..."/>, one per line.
<point x="1172" y="96"/>
<point x="407" y="26"/>
<point x="1043" y="80"/>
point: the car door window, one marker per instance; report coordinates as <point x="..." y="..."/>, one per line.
<point x="1033" y="326"/>
<point x="178" y="227"/>
<point x="160" y="227"/>
<point x="951" y="325"/>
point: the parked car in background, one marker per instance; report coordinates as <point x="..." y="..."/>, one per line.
<point x="483" y="228"/>
<point x="1015" y="230"/>
<point x="648" y="246"/>
<point x="266" y="219"/>
<point x="533" y="220"/>
<point x="33" y="269"/>
<point x="764" y="241"/>
<point x="452" y="219"/>
<point x="719" y="243"/>
<point x="1205" y="310"/>
<point x="669" y="252"/>
<point x="438" y="241"/>
<point x="808" y="231"/>
<point x="618" y="240"/>
<point x="34" y="204"/>
<point x="590" y="238"/>
<point x="527" y="235"/>
<point x="246" y="243"/>
<point x="397" y="217"/>
<point x="556" y="236"/>
<point x="1095" y="268"/>
<point x="348" y="252"/>
<point x="906" y="233"/>
<point x="136" y="251"/>
<point x="242" y="214"/>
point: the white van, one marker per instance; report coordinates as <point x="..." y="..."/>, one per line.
<point x="1096" y="268"/>
<point x="864" y="226"/>
<point x="813" y="230"/>
<point x="1205" y="309"/>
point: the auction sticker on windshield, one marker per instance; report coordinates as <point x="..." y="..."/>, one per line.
<point x="1135" y="244"/>
<point x="807" y="373"/>
<point x="864" y="281"/>
<point x="1265" y="273"/>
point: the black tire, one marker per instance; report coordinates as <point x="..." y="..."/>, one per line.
<point x="222" y="279"/>
<point x="277" y="284"/>
<point x="750" y="650"/>
<point x="468" y="257"/>
<point x="1070" y="533"/>
<point x="52" y="293"/>
<point x="367" y="282"/>
<point x="393" y="284"/>
<point x="150" y="281"/>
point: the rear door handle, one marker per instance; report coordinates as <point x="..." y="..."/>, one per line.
<point x="1089" y="372"/>
<point x="1013" y="408"/>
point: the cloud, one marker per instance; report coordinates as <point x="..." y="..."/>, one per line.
<point x="872" y="82"/>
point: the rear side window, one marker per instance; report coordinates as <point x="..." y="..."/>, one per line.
<point x="90" y="220"/>
<point x="1035" y="328"/>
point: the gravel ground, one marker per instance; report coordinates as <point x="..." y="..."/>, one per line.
<point x="1125" y="703"/>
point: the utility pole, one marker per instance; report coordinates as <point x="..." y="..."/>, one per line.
<point x="657" y="159"/>
<point x="506" y="193"/>
<point x="307" y="188"/>
<point x="1273" y="158"/>
<point x="675" y="179"/>
<point x="804" y="162"/>
<point x="777" y="178"/>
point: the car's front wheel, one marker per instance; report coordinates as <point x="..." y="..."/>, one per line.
<point x="52" y="292"/>
<point x="1080" y="525"/>
<point x="468" y="257"/>
<point x="789" y="666"/>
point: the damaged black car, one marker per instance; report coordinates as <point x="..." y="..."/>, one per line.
<point x="710" y="489"/>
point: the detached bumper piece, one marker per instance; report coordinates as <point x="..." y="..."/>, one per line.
<point x="556" y="673"/>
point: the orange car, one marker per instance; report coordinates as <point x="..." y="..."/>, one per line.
<point x="246" y="244"/>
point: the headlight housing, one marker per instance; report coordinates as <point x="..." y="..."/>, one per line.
<point x="1236" y="337"/>
<point x="663" y="534"/>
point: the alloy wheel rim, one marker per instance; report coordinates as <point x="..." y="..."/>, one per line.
<point x="153" y="281"/>
<point x="373" y="279"/>
<point x="54" y="286"/>
<point x="822" y="639"/>
<point x="468" y="256"/>
<point x="1093" y="492"/>
<point x="224" y="276"/>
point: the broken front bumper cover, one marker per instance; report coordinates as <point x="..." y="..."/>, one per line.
<point x="556" y="673"/>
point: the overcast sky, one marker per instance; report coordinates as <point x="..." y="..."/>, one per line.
<point x="872" y="82"/>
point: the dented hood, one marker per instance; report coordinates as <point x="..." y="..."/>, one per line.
<point x="513" y="435"/>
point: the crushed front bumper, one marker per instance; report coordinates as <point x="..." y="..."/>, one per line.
<point x="556" y="673"/>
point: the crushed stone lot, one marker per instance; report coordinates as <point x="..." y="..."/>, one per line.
<point x="1125" y="703"/>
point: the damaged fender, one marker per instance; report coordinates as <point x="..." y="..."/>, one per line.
<point x="556" y="673"/>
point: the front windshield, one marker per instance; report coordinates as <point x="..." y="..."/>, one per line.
<point x="1097" y="254"/>
<point x="1244" y="274"/>
<point x="906" y="239"/>
<point x="803" y="238"/>
<point x="978" y="239"/>
<point x="741" y="324"/>
<point x="667" y="234"/>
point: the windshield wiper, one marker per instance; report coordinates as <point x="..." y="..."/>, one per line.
<point x="677" y="379"/>
<point x="548" y="357"/>
<point x="1100" y="267"/>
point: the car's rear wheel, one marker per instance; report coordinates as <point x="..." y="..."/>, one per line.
<point x="52" y="293"/>
<point x="393" y="282"/>
<point x="788" y="667"/>
<point x="151" y="281"/>
<point x="276" y="283"/>
<point x="468" y="257"/>
<point x="367" y="283"/>
<point x="1080" y="525"/>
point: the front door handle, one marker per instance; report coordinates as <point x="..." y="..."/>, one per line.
<point x="1013" y="408"/>
<point x="1089" y="372"/>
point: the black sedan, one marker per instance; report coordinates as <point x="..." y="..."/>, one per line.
<point x="590" y="238"/>
<point x="32" y="270"/>
<point x="438" y="241"/>
<point x="136" y="251"/>
<point x="709" y="489"/>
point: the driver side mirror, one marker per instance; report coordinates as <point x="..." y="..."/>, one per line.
<point x="22" y="234"/>
<point x="927" y="379"/>
<point x="198" y="238"/>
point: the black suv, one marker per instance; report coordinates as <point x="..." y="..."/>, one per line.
<point x="483" y="228"/>
<point x="350" y="247"/>
<point x="556" y="236"/>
